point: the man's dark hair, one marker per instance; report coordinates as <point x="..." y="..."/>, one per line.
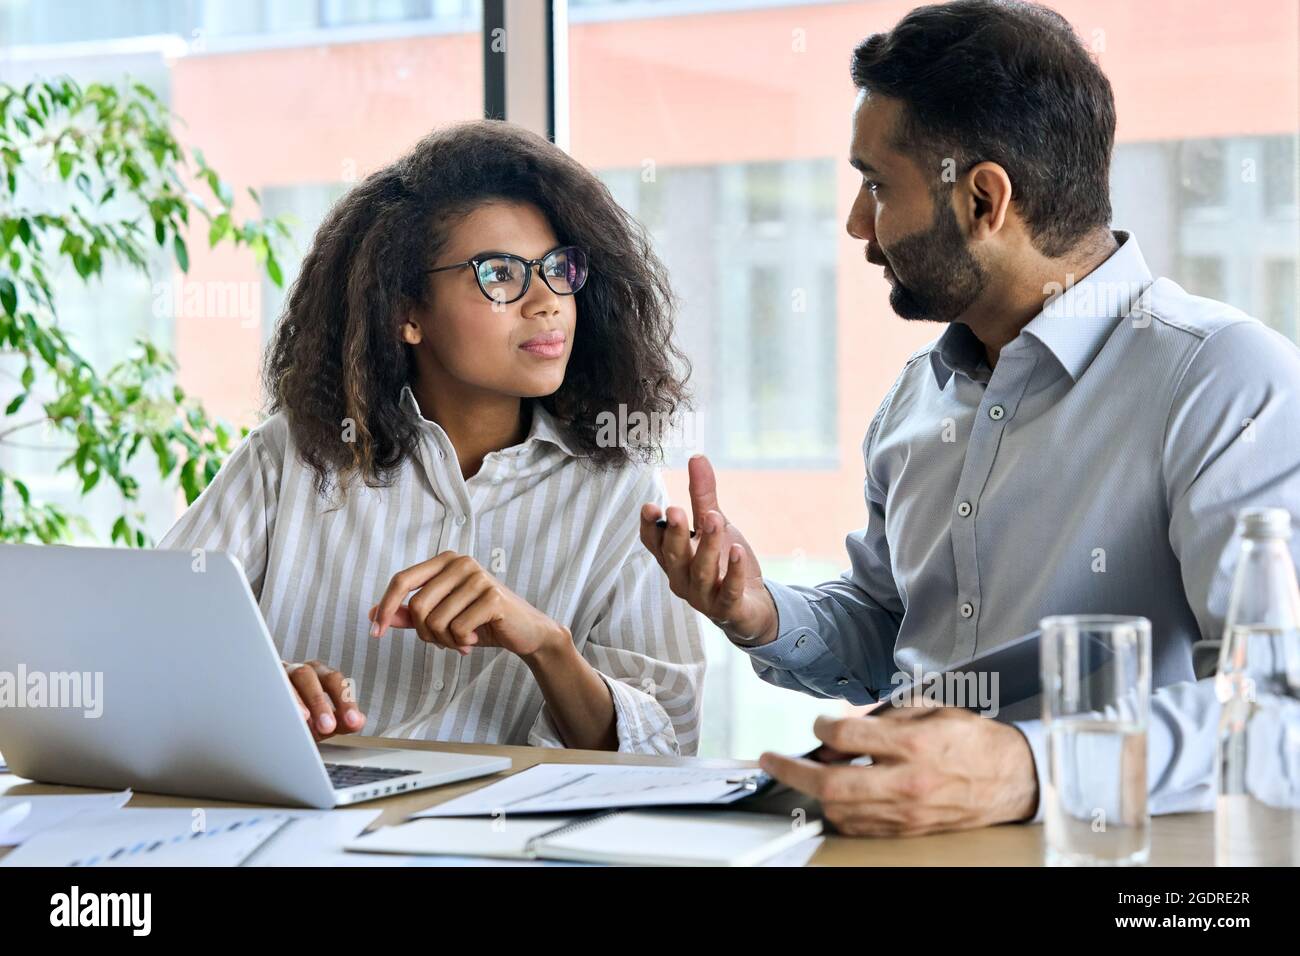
<point x="1006" y="82"/>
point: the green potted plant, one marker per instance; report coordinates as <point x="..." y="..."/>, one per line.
<point x="127" y="183"/>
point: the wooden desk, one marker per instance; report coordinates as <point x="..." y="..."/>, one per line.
<point x="1180" y="840"/>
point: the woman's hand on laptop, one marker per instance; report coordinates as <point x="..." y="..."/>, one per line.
<point x="713" y="568"/>
<point x="325" y="698"/>
<point x="457" y="604"/>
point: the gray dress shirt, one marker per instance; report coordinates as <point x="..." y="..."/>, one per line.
<point x="1098" y="468"/>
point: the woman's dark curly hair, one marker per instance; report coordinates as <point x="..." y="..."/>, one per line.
<point x="337" y="353"/>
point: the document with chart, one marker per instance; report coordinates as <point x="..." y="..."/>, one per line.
<point x="560" y="788"/>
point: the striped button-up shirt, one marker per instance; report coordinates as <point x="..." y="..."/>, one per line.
<point x="1097" y="468"/>
<point x="558" y="532"/>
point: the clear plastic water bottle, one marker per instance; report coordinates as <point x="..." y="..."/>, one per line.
<point x="1257" y="817"/>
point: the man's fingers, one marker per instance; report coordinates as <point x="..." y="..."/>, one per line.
<point x="677" y="551"/>
<point x="897" y="814"/>
<point x="704" y="566"/>
<point x="703" y="487"/>
<point x="842" y="783"/>
<point x="828" y="754"/>
<point x="652" y="536"/>
<point x="733" y="584"/>
<point x="867" y="735"/>
<point x="804" y="775"/>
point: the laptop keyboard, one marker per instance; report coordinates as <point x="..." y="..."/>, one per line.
<point x="344" y="775"/>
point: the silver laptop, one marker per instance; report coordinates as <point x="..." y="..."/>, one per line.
<point x="154" y="670"/>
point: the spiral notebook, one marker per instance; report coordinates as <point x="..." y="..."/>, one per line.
<point x="627" y="837"/>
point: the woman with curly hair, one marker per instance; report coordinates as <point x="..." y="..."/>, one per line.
<point x="436" y="463"/>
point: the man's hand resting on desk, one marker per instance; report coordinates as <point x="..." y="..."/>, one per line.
<point x="716" y="572"/>
<point x="933" y="769"/>
<point x="325" y="699"/>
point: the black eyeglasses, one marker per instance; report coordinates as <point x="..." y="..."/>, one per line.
<point x="503" y="277"/>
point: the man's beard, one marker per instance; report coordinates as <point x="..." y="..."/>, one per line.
<point x="942" y="277"/>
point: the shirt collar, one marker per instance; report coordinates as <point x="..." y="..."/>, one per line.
<point x="544" y="425"/>
<point x="957" y="350"/>
<point x="1073" y="326"/>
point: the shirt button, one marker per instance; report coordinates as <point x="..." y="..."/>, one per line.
<point x="460" y="520"/>
<point x="967" y="609"/>
<point x="842" y="681"/>
<point x="996" y="413"/>
<point x="438" y="685"/>
<point x="963" y="509"/>
<point x="801" y="642"/>
<point x="442" y="454"/>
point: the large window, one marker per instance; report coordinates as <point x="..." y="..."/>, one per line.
<point x="31" y="23"/>
<point x="750" y="249"/>
<point x="723" y="126"/>
<point x="1218" y="215"/>
<point x="296" y="99"/>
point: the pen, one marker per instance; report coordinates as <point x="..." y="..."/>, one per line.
<point x="663" y="523"/>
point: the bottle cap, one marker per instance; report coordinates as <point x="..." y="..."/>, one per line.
<point x="1264" y="522"/>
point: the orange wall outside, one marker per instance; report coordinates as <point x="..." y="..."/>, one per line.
<point x="319" y="114"/>
<point x="692" y="90"/>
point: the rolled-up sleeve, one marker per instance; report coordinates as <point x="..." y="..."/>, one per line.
<point x="648" y="646"/>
